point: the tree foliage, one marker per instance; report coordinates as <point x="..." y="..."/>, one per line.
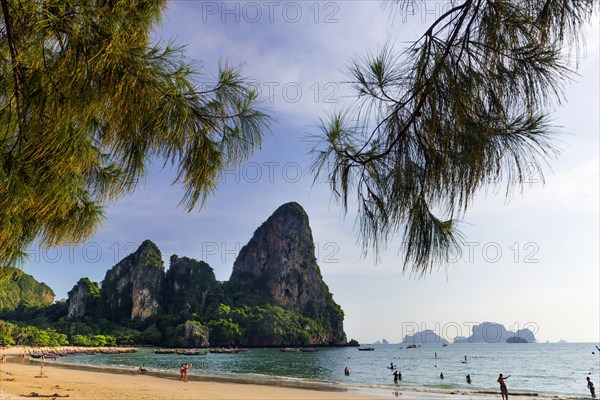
<point x="462" y="108"/>
<point x="87" y="100"/>
<point x="24" y="292"/>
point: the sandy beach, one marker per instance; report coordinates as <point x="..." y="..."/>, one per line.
<point x="23" y="379"/>
<point x="18" y="379"/>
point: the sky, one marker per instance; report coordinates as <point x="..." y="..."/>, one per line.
<point x="531" y="262"/>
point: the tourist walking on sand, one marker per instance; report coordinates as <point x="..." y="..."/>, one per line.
<point x="503" y="389"/>
<point x="590" y="386"/>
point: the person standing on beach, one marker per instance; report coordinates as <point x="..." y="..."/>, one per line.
<point x="590" y="386"/>
<point x="503" y="389"/>
<point x="182" y="373"/>
<point x="187" y="372"/>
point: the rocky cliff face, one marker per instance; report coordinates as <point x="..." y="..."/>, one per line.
<point x="187" y="285"/>
<point x="82" y="299"/>
<point x="190" y="334"/>
<point x="275" y="297"/>
<point x="280" y="262"/>
<point x="131" y="289"/>
<point x="280" y="257"/>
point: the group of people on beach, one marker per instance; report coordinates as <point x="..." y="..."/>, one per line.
<point x="184" y="372"/>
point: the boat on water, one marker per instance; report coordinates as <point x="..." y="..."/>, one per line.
<point x="366" y="349"/>
<point x="165" y="351"/>
<point x="47" y="356"/>
<point x="192" y="353"/>
<point x="412" y="346"/>
<point x="225" y="351"/>
<point x="445" y="345"/>
<point x="290" y="350"/>
<point x="309" y="350"/>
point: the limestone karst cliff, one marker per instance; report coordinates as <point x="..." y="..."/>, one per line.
<point x="491" y="332"/>
<point x="131" y="289"/>
<point x="276" y="295"/>
<point x="188" y="283"/>
<point x="83" y="299"/>
<point x="279" y="262"/>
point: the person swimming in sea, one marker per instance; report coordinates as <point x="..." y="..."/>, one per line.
<point x="346" y="371"/>
<point x="469" y="379"/>
<point x="441" y="375"/>
<point x="395" y="376"/>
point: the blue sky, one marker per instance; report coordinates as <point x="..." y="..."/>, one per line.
<point x="530" y="263"/>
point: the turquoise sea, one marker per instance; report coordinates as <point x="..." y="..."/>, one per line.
<point x="546" y="369"/>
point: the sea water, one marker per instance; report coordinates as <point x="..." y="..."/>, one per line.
<point x="543" y="368"/>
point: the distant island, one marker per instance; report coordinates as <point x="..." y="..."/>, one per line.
<point x="275" y="296"/>
<point x="492" y="332"/>
<point x="486" y="332"/>
<point x="423" y="337"/>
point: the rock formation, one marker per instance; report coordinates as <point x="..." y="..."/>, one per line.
<point x="190" y="334"/>
<point x="275" y="297"/>
<point x="83" y="299"/>
<point x="426" y="336"/>
<point x="131" y="289"/>
<point x="187" y="285"/>
<point x="526" y="335"/>
<point x="491" y="332"/>
<point x="279" y="262"/>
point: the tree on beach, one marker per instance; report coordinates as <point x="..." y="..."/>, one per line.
<point x="87" y="100"/>
<point x="461" y="109"/>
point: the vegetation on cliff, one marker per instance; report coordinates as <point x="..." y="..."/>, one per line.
<point x="22" y="290"/>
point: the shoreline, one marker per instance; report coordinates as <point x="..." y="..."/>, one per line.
<point x="225" y="387"/>
<point x="294" y="383"/>
<point x="127" y="380"/>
